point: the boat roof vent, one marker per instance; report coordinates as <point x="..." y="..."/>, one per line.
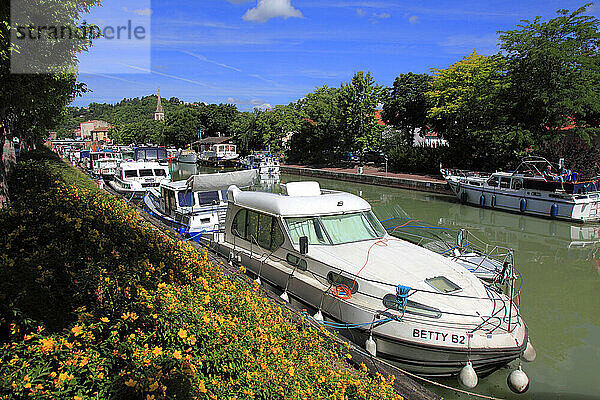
<point x="298" y="189"/>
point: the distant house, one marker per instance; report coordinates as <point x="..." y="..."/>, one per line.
<point x="204" y="144"/>
<point x="100" y="134"/>
<point x="87" y="127"/>
<point x="430" y="139"/>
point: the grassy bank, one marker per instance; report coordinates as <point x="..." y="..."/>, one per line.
<point x="96" y="303"/>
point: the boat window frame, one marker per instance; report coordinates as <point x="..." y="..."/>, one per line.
<point x="125" y="175"/>
<point x="492" y="178"/>
<point x="515" y="180"/>
<point x="432" y="282"/>
<point x="380" y="230"/>
<point x="506" y="181"/>
<point x="145" y="172"/>
<point x="254" y="238"/>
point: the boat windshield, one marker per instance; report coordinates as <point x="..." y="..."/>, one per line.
<point x="335" y="229"/>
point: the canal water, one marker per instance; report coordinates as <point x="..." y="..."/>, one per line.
<point x="560" y="299"/>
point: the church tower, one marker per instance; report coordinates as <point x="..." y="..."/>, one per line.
<point x="159" y="114"/>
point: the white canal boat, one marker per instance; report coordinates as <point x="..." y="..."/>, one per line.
<point x="264" y="162"/>
<point x="325" y="251"/>
<point x="186" y="156"/>
<point x="533" y="188"/>
<point x="197" y="205"/>
<point x="134" y="178"/>
<point x="221" y="152"/>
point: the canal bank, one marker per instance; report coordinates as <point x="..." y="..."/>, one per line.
<point x="373" y="176"/>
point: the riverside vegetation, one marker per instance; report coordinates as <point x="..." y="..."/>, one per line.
<point x="96" y="303"/>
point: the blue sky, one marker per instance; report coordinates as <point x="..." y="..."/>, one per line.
<point x="275" y="51"/>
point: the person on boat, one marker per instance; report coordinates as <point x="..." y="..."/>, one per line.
<point x="548" y="174"/>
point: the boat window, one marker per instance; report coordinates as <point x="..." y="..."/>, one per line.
<point x="504" y="183"/>
<point x="375" y="223"/>
<point x="131" y="173"/>
<point x="186" y="198"/>
<point x="517" y="184"/>
<point x="160" y="172"/>
<point x="257" y="228"/>
<point x="442" y="284"/>
<point x="493" y="181"/>
<point x="252" y="226"/>
<point x="296" y="261"/>
<point x="146" y="172"/>
<point x="278" y="237"/>
<point x="307" y="226"/>
<point x="238" y="226"/>
<point x="345" y="228"/>
<point x="205" y="198"/>
<point x="264" y="231"/>
<point x="337" y="279"/>
<point x="412" y="307"/>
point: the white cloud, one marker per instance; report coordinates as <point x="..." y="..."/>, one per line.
<point x="382" y="15"/>
<point x="413" y="19"/>
<point x="267" y="9"/>
<point x="143" y="11"/>
<point x="140" y="11"/>
<point x="360" y="12"/>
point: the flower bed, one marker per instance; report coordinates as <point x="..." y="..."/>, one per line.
<point x="96" y="303"/>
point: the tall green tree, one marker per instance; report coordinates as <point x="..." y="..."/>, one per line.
<point x="358" y="102"/>
<point x="318" y="137"/>
<point x="554" y="71"/>
<point x="406" y="104"/>
<point x="469" y="108"/>
<point x="30" y="104"/>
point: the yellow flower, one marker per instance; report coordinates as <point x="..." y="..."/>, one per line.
<point x="162" y="285"/>
<point x="104" y="319"/>
<point x="182" y="333"/>
<point x="27" y="385"/>
<point x="154" y="316"/>
<point x="77" y="330"/>
<point x="47" y="345"/>
<point x="205" y="319"/>
<point x="149" y="397"/>
<point x="207" y="299"/>
<point x="177" y="355"/>
<point x="192" y="340"/>
<point x="157" y="351"/>
<point x="130" y="383"/>
<point x="154" y="386"/>
<point x="291" y="371"/>
<point x="201" y="387"/>
<point x="77" y="398"/>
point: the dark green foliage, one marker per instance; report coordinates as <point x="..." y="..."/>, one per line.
<point x="406" y="105"/>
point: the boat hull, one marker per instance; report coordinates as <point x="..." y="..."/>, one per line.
<point x="575" y="208"/>
<point x="414" y="344"/>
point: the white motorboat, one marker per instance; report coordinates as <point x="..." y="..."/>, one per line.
<point x="197" y="205"/>
<point x="219" y="153"/>
<point x="187" y="156"/>
<point x="134" y="178"/>
<point x="264" y="162"/>
<point x="106" y="167"/>
<point x="533" y="189"/>
<point x="325" y="251"/>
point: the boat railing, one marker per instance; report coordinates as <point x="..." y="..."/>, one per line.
<point x="505" y="314"/>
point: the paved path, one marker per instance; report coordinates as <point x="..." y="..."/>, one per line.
<point x="372" y="170"/>
<point x="374" y="176"/>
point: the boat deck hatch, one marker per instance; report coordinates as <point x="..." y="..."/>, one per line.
<point x="443" y="284"/>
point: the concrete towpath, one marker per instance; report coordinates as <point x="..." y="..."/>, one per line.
<point x="372" y="175"/>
